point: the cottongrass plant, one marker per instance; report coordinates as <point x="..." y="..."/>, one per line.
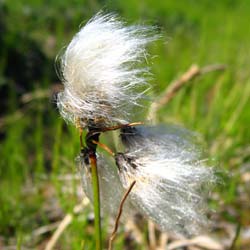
<point x="160" y="169"/>
<point x="104" y="79"/>
<point x="102" y="71"/>
<point x="172" y="179"/>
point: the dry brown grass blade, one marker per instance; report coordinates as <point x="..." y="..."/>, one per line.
<point x="45" y="229"/>
<point x="112" y="237"/>
<point x="163" y="240"/>
<point x="176" y="85"/>
<point x="34" y="95"/>
<point x="199" y="241"/>
<point x="41" y="93"/>
<point x="151" y="235"/>
<point x="64" y="224"/>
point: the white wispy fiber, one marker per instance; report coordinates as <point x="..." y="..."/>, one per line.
<point x="102" y="71"/>
<point x="171" y="179"/>
<point x="111" y="189"/>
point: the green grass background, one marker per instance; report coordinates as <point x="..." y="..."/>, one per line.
<point x="37" y="148"/>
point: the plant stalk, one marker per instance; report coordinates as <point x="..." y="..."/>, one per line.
<point x="96" y="200"/>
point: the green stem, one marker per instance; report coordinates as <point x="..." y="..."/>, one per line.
<point x="96" y="201"/>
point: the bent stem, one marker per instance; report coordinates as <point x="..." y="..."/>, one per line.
<point x="113" y="235"/>
<point x="96" y="200"/>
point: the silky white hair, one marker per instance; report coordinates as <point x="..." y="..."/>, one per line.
<point x="172" y="180"/>
<point x="111" y="189"/>
<point x="102" y="71"/>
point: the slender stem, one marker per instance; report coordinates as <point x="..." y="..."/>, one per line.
<point x="112" y="237"/>
<point x="132" y="124"/>
<point x="81" y="143"/>
<point x="96" y="200"/>
<point x="105" y="147"/>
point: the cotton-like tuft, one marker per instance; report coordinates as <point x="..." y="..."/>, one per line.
<point x="111" y="189"/>
<point x="102" y="71"/>
<point x="172" y="180"/>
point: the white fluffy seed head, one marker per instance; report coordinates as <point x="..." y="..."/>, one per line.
<point x="111" y="189"/>
<point x="171" y="179"/>
<point x="102" y="71"/>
